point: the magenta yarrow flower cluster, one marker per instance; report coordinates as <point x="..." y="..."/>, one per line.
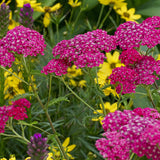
<point x="137" y="131"/>
<point x="143" y="70"/>
<point x="82" y="50"/>
<point x="17" y="110"/>
<point x="130" y="34"/>
<point x="20" y="40"/>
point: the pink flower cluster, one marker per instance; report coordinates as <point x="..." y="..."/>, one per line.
<point x="141" y="69"/>
<point x="82" y="50"/>
<point x="20" y="40"/>
<point x="137" y="130"/>
<point x="131" y="34"/>
<point x="17" y="110"/>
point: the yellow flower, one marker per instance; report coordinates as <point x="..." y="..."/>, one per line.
<point x="72" y="82"/>
<point x="128" y="15"/>
<point x="106" y="68"/>
<point x="108" y="108"/>
<point x="113" y="3"/>
<point x="82" y="83"/>
<point x="3" y="159"/>
<point x="47" y="11"/>
<point x="12" y="85"/>
<point x="33" y="3"/>
<point x="73" y="72"/>
<point x="74" y="4"/>
<point x="68" y="148"/>
<point x="12" y="23"/>
<point x="107" y="91"/>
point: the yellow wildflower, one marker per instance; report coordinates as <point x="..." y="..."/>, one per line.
<point x="82" y="83"/>
<point x="128" y="15"/>
<point x="108" y="108"/>
<point x="68" y="148"/>
<point x="12" y="85"/>
<point x="114" y="3"/>
<point x="74" y="4"/>
<point x="47" y="11"/>
<point x="33" y="3"/>
<point x="72" y="82"/>
<point x="73" y="72"/>
<point x="106" y="70"/>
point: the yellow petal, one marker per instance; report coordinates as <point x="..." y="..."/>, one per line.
<point x="131" y="11"/>
<point x="66" y="142"/>
<point x="71" y="147"/>
<point x="46" y="19"/>
<point x="40" y="9"/>
<point x="55" y="7"/>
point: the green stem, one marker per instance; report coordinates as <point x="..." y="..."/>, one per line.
<point x="113" y="21"/>
<point x="50" y="87"/>
<point x="47" y="115"/>
<point x="109" y="11"/>
<point x="150" y="97"/>
<point x="100" y="15"/>
<point x="104" y="110"/>
<point x="132" y="155"/>
<point x="71" y="16"/>
<point x="78" y="96"/>
<point x="57" y="30"/>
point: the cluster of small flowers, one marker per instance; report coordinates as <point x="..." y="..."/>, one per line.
<point x="140" y="130"/>
<point x="130" y="34"/>
<point x="82" y="50"/>
<point x="17" y="110"/>
<point x="125" y="83"/>
<point x="21" y="40"/>
<point x="114" y="147"/>
<point x="6" y="58"/>
<point x="141" y="66"/>
<point x="37" y="148"/>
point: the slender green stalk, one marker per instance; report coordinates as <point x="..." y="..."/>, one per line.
<point x="132" y="155"/>
<point x="113" y="21"/>
<point x="109" y="11"/>
<point x="100" y="15"/>
<point x="104" y="110"/>
<point x="50" y="87"/>
<point x="47" y="114"/>
<point x="150" y="97"/>
<point x="57" y="31"/>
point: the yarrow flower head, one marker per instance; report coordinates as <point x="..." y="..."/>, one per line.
<point x="17" y="110"/>
<point x="139" y="129"/>
<point x="37" y="148"/>
<point x="144" y="68"/>
<point x="124" y="83"/>
<point x="84" y="49"/>
<point x="131" y="34"/>
<point x="113" y="147"/>
<point x="6" y="57"/>
<point x="23" y="41"/>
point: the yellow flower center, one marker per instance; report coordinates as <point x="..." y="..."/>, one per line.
<point x="47" y="9"/>
<point x="113" y="65"/>
<point x="125" y="14"/>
